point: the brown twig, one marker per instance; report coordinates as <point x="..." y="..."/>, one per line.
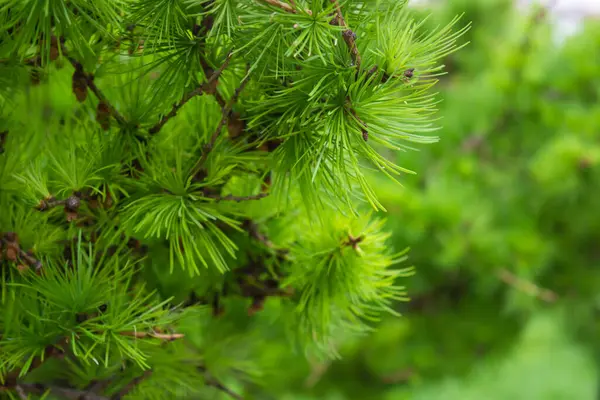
<point x="280" y="4"/>
<point x="398" y="376"/>
<point x="155" y="335"/>
<point x="218" y="385"/>
<point x="131" y="385"/>
<point x="71" y="203"/>
<point x="238" y="199"/>
<point x="64" y="393"/>
<point x="255" y="233"/>
<point x="211" y="381"/>
<point x="113" y="111"/>
<point x="208" y="87"/>
<point x="225" y="112"/>
<point x="317" y="371"/>
<point x="348" y="35"/>
<point x="527" y="287"/>
<point x="363" y="125"/>
<point x="11" y="380"/>
<point x="21" y="392"/>
<point x="10" y="241"/>
<point x="3" y="136"/>
<point x="89" y="80"/>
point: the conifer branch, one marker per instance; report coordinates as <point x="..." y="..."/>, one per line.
<point x="211" y="381"/>
<point x="348" y="35"/>
<point x="3" y="136"/>
<point x="21" y="392"/>
<point x="86" y="80"/>
<point x="72" y="203"/>
<point x="255" y="233"/>
<point x="400" y="376"/>
<point x="64" y="393"/>
<point x="9" y="242"/>
<point x="363" y="125"/>
<point x="131" y="385"/>
<point x="527" y="287"/>
<point x="11" y="380"/>
<point x="208" y="87"/>
<point x="280" y="4"/>
<point x="225" y="113"/>
<point x="238" y="199"/>
<point x="155" y="335"/>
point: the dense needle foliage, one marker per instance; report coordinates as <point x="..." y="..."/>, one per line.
<point x="184" y="192"/>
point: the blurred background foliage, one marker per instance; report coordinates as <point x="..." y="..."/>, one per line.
<point x="503" y="221"/>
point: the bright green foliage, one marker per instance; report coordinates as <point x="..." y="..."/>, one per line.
<point x="508" y="196"/>
<point x="185" y="194"/>
<point x="346" y="266"/>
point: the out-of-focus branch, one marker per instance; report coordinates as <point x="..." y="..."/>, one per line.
<point x="527" y="287"/>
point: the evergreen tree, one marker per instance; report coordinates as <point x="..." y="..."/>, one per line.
<point x="184" y="193"/>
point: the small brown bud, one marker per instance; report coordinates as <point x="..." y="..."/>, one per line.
<point x="71" y="216"/>
<point x="79" y="85"/>
<point x="235" y="126"/>
<point x="53" y="48"/>
<point x="3" y="136"/>
<point x="409" y="73"/>
<point x="108" y="202"/>
<point x="103" y="115"/>
<point x="12" y="251"/>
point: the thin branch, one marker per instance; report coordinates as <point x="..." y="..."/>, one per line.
<point x="10" y="241"/>
<point x="218" y="385"/>
<point x="131" y="385"/>
<point x="527" y="287"/>
<point x="21" y="392"/>
<point x="225" y="112"/>
<point x="398" y="376"/>
<point x="71" y="203"/>
<point x="280" y="4"/>
<point x="208" y="87"/>
<point x="317" y="371"/>
<point x="211" y="381"/>
<point x="155" y="335"/>
<point x="348" y="35"/>
<point x="255" y="233"/>
<point x="60" y="392"/>
<point x="363" y="125"/>
<point x="3" y="136"/>
<point x="89" y="80"/>
<point x="238" y="199"/>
